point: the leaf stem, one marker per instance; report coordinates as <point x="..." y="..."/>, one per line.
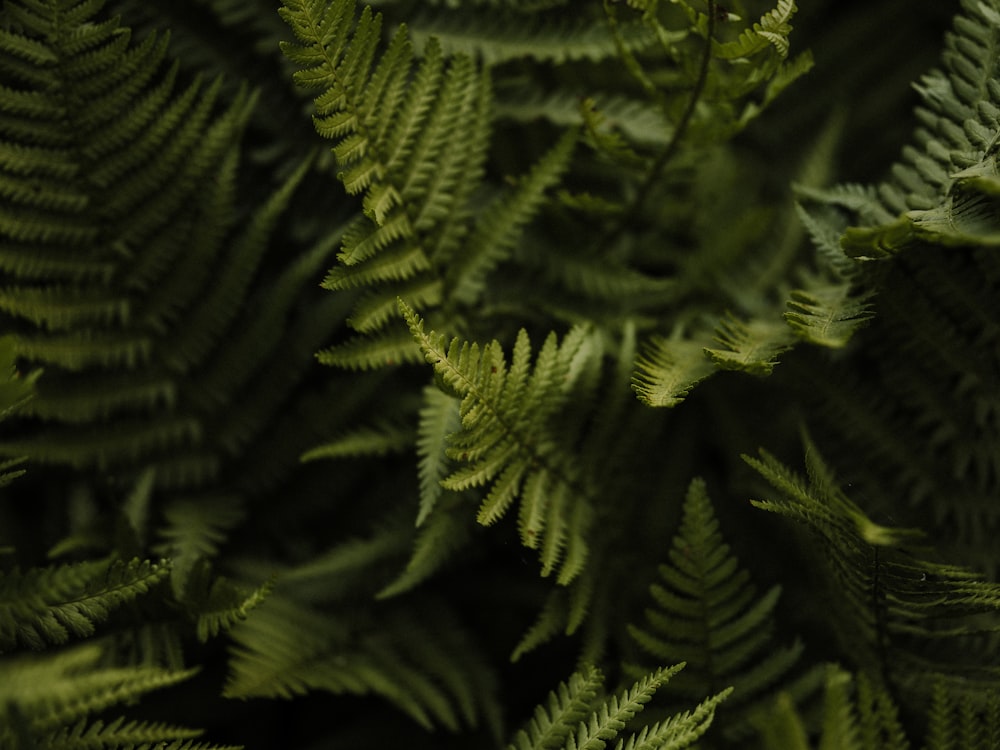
<point x="670" y="149"/>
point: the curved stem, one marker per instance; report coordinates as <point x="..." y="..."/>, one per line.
<point x="670" y="149"/>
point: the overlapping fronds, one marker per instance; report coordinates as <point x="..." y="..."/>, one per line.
<point x="127" y="265"/>
<point x="943" y="189"/>
<point x="217" y="603"/>
<point x="567" y="705"/>
<point x="50" y="701"/>
<point x="860" y="714"/>
<point x="508" y="443"/>
<point x="706" y="609"/>
<point x="410" y="138"/>
<point x="741" y="92"/>
<point x="895" y="606"/>
<point x="575" y="718"/>
<point x="668" y="368"/>
<point x="865" y="718"/>
<point x="422" y="663"/>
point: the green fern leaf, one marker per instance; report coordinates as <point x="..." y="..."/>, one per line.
<point x="47" y="693"/>
<point x="667" y="370"/>
<point x="828" y="315"/>
<point x="567" y="705"/>
<point x="365" y="441"/>
<point x="893" y="599"/>
<point x="217" y="603"/>
<point x="750" y="347"/>
<point x="501" y="225"/>
<point x="410" y="137"/>
<point x="443" y="533"/>
<point x="707" y="609"/>
<point x="569" y="720"/>
<point x="958" y="720"/>
<point x="504" y="443"/>
<point x="117" y="733"/>
<point x="49" y="605"/>
<point x="288" y="649"/>
<point x="439" y="419"/>
<point x="193" y="531"/>
<point x="497" y="37"/>
<point x="772" y="29"/>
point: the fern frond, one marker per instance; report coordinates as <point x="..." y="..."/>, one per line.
<point x="365" y="441"/>
<point x="46" y="693"/>
<point x="943" y="188"/>
<point x="568" y="705"/>
<point x="751" y="346"/>
<point x="500" y="226"/>
<point x="828" y="315"/>
<point x="505" y="441"/>
<point x="288" y="649"/>
<point x="680" y="730"/>
<point x="895" y="603"/>
<point x="955" y="721"/>
<point x="44" y="606"/>
<point x="439" y="419"/>
<point x="157" y="279"/>
<point x="218" y="603"/>
<point x="387" y="349"/>
<point x="193" y="529"/>
<point x="410" y="137"/>
<point x="441" y="535"/>
<point x="707" y="609"/>
<point x="667" y="370"/>
<point x="867" y="718"/>
<point x="957" y="113"/>
<point x="116" y="733"/>
<point x="570" y="721"/>
<point x="772" y="29"/>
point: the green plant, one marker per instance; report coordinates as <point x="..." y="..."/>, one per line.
<point x="368" y="369"/>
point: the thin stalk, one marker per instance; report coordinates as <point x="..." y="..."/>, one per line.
<point x="670" y="149"/>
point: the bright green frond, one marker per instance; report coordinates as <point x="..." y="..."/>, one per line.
<point x="751" y="347"/>
<point x="507" y="444"/>
<point x="772" y="29"/>
<point x="828" y="315"/>
<point x="408" y="135"/>
<point x="667" y="370"/>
